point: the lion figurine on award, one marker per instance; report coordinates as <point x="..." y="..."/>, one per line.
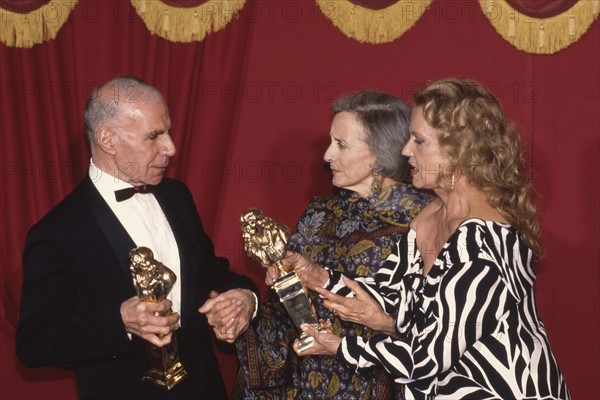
<point x="265" y="241"/>
<point x="153" y="281"/>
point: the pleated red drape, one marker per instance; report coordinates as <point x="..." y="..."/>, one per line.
<point x="249" y="107"/>
<point x="44" y="153"/>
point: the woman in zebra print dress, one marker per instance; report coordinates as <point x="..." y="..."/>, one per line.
<point x="461" y="281"/>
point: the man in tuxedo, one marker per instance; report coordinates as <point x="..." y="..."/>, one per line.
<point x="78" y="302"/>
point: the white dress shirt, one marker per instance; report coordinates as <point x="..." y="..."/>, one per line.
<point x="144" y="220"/>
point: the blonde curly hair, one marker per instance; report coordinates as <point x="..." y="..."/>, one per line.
<point x="484" y="147"/>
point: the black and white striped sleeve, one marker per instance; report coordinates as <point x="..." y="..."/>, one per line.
<point x="383" y="286"/>
<point x="462" y="306"/>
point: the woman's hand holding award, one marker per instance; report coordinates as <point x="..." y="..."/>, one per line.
<point x="265" y="241"/>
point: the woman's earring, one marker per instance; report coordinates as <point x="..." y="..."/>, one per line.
<point x="452" y="182"/>
<point x="376" y="183"/>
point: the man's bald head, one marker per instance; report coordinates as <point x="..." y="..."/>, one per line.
<point x="108" y="100"/>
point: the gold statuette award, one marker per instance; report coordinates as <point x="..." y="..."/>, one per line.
<point x="153" y="281"/>
<point x="265" y="241"/>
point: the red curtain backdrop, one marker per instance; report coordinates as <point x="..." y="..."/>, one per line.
<point x="250" y="116"/>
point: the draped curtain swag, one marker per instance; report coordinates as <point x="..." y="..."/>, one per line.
<point x="541" y="27"/>
<point x="250" y="112"/>
<point x="192" y="22"/>
<point x="29" y="22"/>
<point x="363" y="22"/>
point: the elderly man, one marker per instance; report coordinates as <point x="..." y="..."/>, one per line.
<point x="79" y="308"/>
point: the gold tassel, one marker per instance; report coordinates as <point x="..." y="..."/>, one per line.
<point x="26" y="40"/>
<point x="373" y="26"/>
<point x="571" y="25"/>
<point x="541" y="35"/>
<point x="195" y="24"/>
<point x="24" y="30"/>
<point x="511" y="26"/>
<point x="165" y="24"/>
<point x="187" y="24"/>
<point x="541" y="38"/>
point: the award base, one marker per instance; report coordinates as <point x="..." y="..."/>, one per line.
<point x="295" y="300"/>
<point x="166" y="371"/>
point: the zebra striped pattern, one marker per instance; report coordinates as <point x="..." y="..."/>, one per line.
<point x="470" y="329"/>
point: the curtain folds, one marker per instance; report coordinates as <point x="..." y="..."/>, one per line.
<point x="249" y="107"/>
<point x="536" y="27"/>
<point x="44" y="151"/>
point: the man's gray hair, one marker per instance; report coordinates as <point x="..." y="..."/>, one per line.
<point x="106" y="101"/>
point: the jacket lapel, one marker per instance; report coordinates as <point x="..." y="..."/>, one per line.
<point x="115" y="233"/>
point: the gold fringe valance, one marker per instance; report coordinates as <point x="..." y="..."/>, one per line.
<point x="187" y="24"/>
<point x="27" y="29"/>
<point x="541" y="35"/>
<point x="373" y="26"/>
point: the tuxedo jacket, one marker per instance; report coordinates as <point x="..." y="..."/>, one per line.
<point x="76" y="275"/>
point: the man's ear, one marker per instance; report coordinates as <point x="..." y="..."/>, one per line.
<point x="105" y="138"/>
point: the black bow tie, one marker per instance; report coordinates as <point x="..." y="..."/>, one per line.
<point x="124" y="194"/>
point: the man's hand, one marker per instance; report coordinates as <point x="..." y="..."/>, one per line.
<point x="144" y="320"/>
<point x="229" y="313"/>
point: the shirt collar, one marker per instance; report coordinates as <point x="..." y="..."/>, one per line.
<point x="105" y="182"/>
